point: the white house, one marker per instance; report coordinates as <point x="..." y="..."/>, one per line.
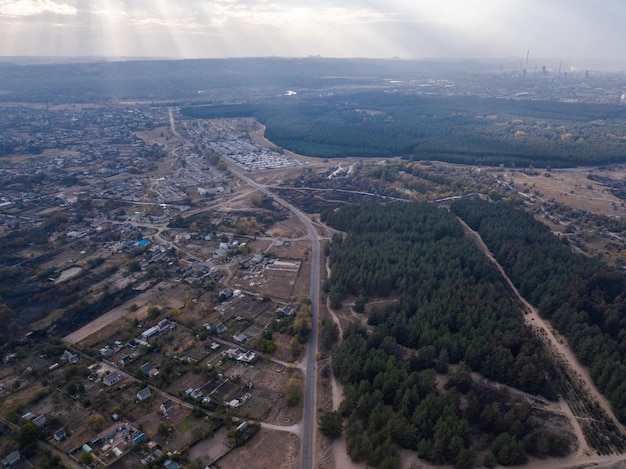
<point x="167" y="407"/>
<point x="144" y="394"/>
<point x="111" y="379"/>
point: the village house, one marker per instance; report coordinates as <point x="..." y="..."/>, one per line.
<point x="146" y="368"/>
<point x="60" y="434"/>
<point x="167" y="407"/>
<point x="144" y="394"/>
<point x="40" y="421"/>
<point x="243" y="428"/>
<point x="236" y="354"/>
<point x="111" y="379"/>
<point x="240" y="337"/>
<point x="169" y="464"/>
<point x="12" y="459"/>
<point x="70" y="357"/>
<point x="220" y="328"/>
<point x="225" y="293"/>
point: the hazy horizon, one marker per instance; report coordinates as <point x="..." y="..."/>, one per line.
<point x="506" y="64"/>
<point x="411" y="30"/>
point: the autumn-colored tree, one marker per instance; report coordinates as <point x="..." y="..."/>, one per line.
<point x="96" y="423"/>
<point x="294" y="392"/>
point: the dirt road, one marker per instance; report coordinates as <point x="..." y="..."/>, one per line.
<point x="557" y="346"/>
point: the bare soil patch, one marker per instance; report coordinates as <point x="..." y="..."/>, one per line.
<point x="574" y="188"/>
<point x="211" y="449"/>
<point x="266" y="449"/>
<point x="302" y="286"/>
<point x="292" y="229"/>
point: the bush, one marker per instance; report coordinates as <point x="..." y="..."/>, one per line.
<point x="85" y="458"/>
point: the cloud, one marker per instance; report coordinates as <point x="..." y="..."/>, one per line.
<point x="366" y="28"/>
<point x="20" y="8"/>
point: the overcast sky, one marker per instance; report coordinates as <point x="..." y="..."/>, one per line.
<point x="297" y="28"/>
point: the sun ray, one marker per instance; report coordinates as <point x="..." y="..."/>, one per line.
<point x="366" y="28"/>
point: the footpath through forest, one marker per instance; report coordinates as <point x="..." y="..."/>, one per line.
<point x="589" y="408"/>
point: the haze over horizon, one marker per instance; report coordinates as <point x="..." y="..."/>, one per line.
<point x="259" y="28"/>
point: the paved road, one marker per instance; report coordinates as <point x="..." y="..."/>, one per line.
<point x="310" y="375"/>
<point x="308" y="423"/>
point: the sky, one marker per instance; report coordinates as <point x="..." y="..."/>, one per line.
<point x="299" y="28"/>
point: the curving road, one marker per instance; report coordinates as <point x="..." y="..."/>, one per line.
<point x="310" y="376"/>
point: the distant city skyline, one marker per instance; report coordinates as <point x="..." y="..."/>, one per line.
<point x="295" y="28"/>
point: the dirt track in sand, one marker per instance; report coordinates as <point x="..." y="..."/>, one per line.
<point x="584" y="456"/>
<point x="557" y="346"/>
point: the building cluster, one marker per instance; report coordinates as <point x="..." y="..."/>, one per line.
<point x="527" y="81"/>
<point x="75" y="147"/>
<point x="226" y="140"/>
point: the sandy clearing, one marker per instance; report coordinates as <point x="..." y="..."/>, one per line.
<point x="67" y="274"/>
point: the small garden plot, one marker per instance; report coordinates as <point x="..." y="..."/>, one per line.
<point x="152" y="421"/>
<point x="211" y="386"/>
<point x="256" y="269"/>
<point x="130" y="459"/>
<point x="277" y="283"/>
<point x="216" y="361"/>
<point x="254" y="330"/>
<point x="197" y="353"/>
<point x="284" y="351"/>
<point x="230" y="309"/>
<point x="227" y="364"/>
<point x="227" y="392"/>
<point x="190" y="431"/>
<point x="186" y="381"/>
<point x="237" y="369"/>
<point x="114" y="399"/>
<point x="211" y="449"/>
<point x="257" y="406"/>
<point x="274" y="449"/>
<point x="186" y="425"/>
<point x="256" y="308"/>
<point x="246" y="306"/>
<point x="5" y="371"/>
<point x="176" y="343"/>
<point x="266" y="317"/>
<point x="251" y="372"/>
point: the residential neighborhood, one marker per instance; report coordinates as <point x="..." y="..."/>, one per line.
<point x="135" y="223"/>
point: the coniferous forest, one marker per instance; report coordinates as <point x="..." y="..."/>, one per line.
<point x="452" y="313"/>
<point x="583" y="298"/>
<point x="456" y="129"/>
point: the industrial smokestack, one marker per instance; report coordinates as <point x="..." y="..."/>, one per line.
<point x="527" y="54"/>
